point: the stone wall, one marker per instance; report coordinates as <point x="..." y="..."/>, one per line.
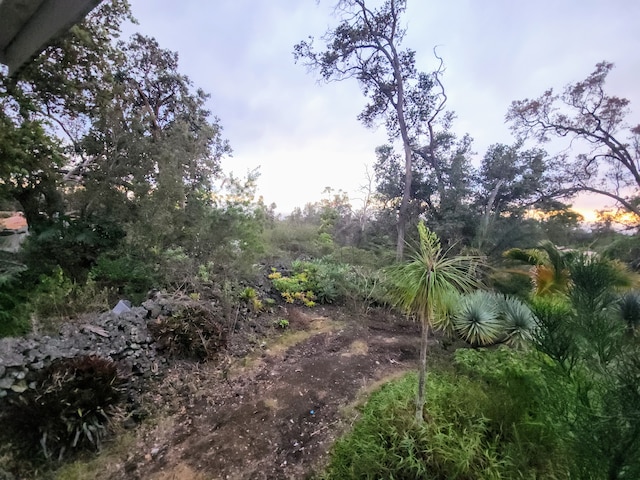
<point x="122" y="337"/>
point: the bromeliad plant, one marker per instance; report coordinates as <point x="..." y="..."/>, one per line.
<point x="421" y="286"/>
<point x="70" y="408"/>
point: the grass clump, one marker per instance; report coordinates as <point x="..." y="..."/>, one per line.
<point x="484" y="419"/>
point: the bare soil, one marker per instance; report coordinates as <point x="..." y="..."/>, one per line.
<point x="272" y="415"/>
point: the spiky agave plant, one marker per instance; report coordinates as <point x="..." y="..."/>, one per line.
<point x="628" y="310"/>
<point x="478" y="319"/>
<point x="518" y="322"/>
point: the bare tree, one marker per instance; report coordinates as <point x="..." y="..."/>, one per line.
<point x="609" y="163"/>
<point x="366" y="46"/>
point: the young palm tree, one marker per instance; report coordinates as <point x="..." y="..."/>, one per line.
<point x="422" y="285"/>
<point x="550" y="267"/>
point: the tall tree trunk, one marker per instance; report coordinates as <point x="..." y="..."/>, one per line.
<point x="422" y="379"/>
<point x="406" y="196"/>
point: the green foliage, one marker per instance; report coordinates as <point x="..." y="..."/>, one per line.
<point x="192" y="331"/>
<point x="130" y="274"/>
<point x="423" y="283"/>
<point x="250" y="296"/>
<point x="512" y="282"/>
<point x="486" y="318"/>
<point x="518" y="322"/>
<point x="282" y="323"/>
<point x="487" y="421"/>
<point x="324" y="280"/>
<point x="478" y="319"/>
<point x="14" y="313"/>
<point x="70" y="408"/>
<point x="625" y="248"/>
<point x="69" y="244"/>
<point x="525" y="409"/>
<point x="554" y="333"/>
<point x="628" y="309"/>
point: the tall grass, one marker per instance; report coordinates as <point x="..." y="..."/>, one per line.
<point x="484" y="420"/>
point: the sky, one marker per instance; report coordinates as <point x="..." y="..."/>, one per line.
<point x="304" y="135"/>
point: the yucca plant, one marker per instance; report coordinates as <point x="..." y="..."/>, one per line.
<point x="421" y="285"/>
<point x="518" y="322"/>
<point x="628" y="310"/>
<point x="478" y="319"/>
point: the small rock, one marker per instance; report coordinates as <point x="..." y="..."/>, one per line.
<point x="19" y="387"/>
<point x="6" y="383"/>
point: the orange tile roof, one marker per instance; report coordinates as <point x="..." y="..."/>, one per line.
<point x="14" y="222"/>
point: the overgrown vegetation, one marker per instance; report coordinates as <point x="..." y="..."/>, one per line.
<point x="127" y="197"/>
<point x="70" y="409"/>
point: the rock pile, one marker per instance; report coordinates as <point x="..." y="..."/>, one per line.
<point x="120" y="335"/>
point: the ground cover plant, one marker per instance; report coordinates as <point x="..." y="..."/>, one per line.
<point x="484" y="419"/>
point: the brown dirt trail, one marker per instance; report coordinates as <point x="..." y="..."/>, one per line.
<point x="277" y="416"/>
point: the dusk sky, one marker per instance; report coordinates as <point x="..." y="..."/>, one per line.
<point x="304" y="135"/>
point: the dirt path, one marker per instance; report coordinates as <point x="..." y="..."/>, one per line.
<point x="277" y="416"/>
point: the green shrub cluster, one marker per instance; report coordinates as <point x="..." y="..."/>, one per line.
<point x="327" y="281"/>
<point x="485" y="420"/>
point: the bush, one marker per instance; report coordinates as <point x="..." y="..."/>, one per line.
<point x="57" y="298"/>
<point x="70" y="409"/>
<point x="490" y="419"/>
<point x="128" y="274"/>
<point x="484" y="318"/>
<point x="322" y="280"/>
<point x="192" y="331"/>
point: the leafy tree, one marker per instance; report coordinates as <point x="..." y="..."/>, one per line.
<point x="441" y="189"/>
<point x="608" y="164"/>
<point x="366" y="46"/>
<point x="423" y="285"/>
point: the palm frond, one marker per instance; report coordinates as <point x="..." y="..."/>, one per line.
<point x="530" y="256"/>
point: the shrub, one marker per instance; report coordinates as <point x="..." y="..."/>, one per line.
<point x="192" y="331"/>
<point x="250" y="296"/>
<point x="485" y="318"/>
<point x="492" y="418"/>
<point x="129" y="274"/>
<point x="71" y="407"/>
<point x="326" y="281"/>
<point x="478" y="319"/>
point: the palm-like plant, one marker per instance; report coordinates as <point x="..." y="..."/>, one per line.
<point x="421" y="286"/>
<point x="518" y="322"/>
<point x="550" y="267"/>
<point x="628" y="309"/>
